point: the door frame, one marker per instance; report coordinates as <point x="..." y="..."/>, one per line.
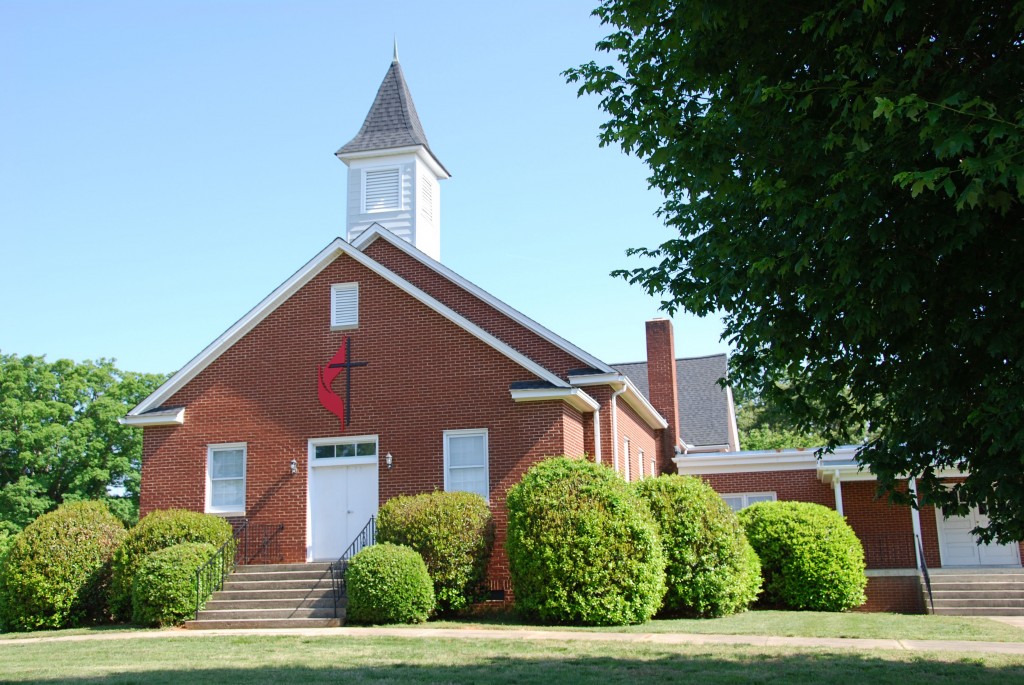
<point x="311" y="445"/>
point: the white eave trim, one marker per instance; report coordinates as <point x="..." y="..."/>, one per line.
<point x="772" y="460"/>
<point x="419" y="150"/>
<point x="631" y="395"/>
<point x="574" y="397"/>
<point x="337" y="248"/>
<point x="167" y="417"/>
<point x="374" y="231"/>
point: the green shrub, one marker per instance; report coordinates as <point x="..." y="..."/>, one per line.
<point x="56" y="572"/>
<point x="388" y="583"/>
<point x="163" y="589"/>
<point x="453" y="532"/>
<point x="156" y="531"/>
<point x="810" y="557"/>
<point x="710" y="568"/>
<point x="582" y="546"/>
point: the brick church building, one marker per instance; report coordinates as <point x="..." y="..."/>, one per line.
<point x="375" y="371"/>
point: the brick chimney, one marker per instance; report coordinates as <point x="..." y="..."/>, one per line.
<point x="661" y="382"/>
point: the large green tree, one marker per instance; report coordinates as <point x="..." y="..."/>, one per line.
<point x="60" y="439"/>
<point x="844" y="179"/>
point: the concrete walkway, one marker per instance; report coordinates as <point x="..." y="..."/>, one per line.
<point x="1016" y="648"/>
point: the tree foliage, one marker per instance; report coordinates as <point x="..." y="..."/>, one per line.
<point x="845" y="180"/>
<point x="60" y="440"/>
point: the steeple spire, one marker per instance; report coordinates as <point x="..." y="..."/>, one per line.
<point x="395" y="58"/>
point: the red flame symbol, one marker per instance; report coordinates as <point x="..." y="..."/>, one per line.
<point x="325" y="377"/>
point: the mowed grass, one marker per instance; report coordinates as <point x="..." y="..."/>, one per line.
<point x="794" y="624"/>
<point x="284" y="660"/>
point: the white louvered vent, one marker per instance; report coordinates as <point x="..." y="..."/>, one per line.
<point x="426" y="198"/>
<point x="382" y="190"/>
<point x="345" y="305"/>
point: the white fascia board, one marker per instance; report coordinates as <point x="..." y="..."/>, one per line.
<point x="375" y="231"/>
<point x="417" y="150"/>
<point x="742" y="462"/>
<point x="169" y="417"/>
<point x="574" y="397"/>
<point x="300" y="278"/>
<point x="632" y="395"/>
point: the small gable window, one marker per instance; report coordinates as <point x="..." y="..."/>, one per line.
<point x="382" y="189"/>
<point x="345" y="305"/>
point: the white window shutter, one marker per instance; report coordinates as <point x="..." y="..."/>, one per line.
<point x="345" y="305"/>
<point x="382" y="190"/>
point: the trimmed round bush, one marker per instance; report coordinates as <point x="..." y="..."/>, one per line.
<point x="164" y="586"/>
<point x="453" y="532"/>
<point x="388" y="583"/>
<point x="582" y="547"/>
<point x="56" y="572"/>
<point x="711" y="569"/>
<point x="810" y="557"/>
<point x="158" y="530"/>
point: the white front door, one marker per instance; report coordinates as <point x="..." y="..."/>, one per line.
<point x="958" y="547"/>
<point x="342" y="493"/>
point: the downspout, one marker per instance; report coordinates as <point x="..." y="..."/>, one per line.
<point x="615" y="427"/>
<point x="597" y="435"/>
<point x="837" y="488"/>
<point x="915" y="520"/>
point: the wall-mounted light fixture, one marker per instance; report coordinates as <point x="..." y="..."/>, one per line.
<point x="294" y="466"/>
<point x="389" y="460"/>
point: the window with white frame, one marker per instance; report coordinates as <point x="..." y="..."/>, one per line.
<point x="640" y="463"/>
<point x="357" y="449"/>
<point x="466" y="462"/>
<point x="225" y="478"/>
<point x="742" y="500"/>
<point x="625" y="451"/>
<point x="344" y="305"/>
<point x="382" y="189"/>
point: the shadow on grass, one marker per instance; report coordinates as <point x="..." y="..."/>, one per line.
<point x="706" y="667"/>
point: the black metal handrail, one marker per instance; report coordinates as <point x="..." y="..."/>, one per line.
<point x="923" y="566"/>
<point x="366" y="537"/>
<point x="210" y="576"/>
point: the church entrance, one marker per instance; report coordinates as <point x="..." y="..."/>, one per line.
<point x="343" y="493"/>
<point x="958" y="547"/>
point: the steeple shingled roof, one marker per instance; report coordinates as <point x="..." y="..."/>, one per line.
<point x="392" y="121"/>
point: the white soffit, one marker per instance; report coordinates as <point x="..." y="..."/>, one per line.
<point x="574" y="397"/>
<point x="174" y="416"/>
<point x="632" y="395"/>
<point x="335" y="249"/>
<point x="374" y="231"/>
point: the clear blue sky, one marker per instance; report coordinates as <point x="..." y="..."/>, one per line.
<point x="165" y="165"/>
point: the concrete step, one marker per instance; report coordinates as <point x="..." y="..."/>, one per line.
<point x="976" y="595"/>
<point x="278" y="568"/>
<point x="251" y="614"/>
<point x="979" y="611"/>
<point x="232" y="585"/>
<point x="261" y="576"/>
<point x="302" y="602"/>
<point x="965" y="587"/>
<point x="951" y="602"/>
<point x="263" y="623"/>
<point x="255" y="595"/>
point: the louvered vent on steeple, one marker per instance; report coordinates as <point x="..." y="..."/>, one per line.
<point x="382" y="189"/>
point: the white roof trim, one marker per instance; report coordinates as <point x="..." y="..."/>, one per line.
<point x="632" y="395"/>
<point x="165" y="417"/>
<point x="843" y="460"/>
<point x="374" y="231"/>
<point x="419" y="150"/>
<point x="574" y="397"/>
<point x="299" y="279"/>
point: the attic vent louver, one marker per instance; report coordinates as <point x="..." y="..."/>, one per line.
<point x="427" y="198"/>
<point x="345" y="305"/>
<point x="381" y="190"/>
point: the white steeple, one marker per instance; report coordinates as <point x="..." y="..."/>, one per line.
<point x="393" y="176"/>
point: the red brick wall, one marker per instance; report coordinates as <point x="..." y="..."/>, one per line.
<point x="641" y="437"/>
<point x="801" y="485"/>
<point x="897" y="594"/>
<point x="885" y="530"/>
<point x="468" y="305"/>
<point x="424" y="376"/>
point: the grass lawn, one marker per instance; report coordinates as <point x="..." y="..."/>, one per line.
<point x="798" y="624"/>
<point x="282" y="660"/>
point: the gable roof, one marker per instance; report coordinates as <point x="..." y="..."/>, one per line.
<point x="392" y="121"/>
<point x="703" y="404"/>
<point x="300" y="278"/>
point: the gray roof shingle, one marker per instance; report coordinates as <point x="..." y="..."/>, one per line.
<point x="703" y="404"/>
<point x="392" y="120"/>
